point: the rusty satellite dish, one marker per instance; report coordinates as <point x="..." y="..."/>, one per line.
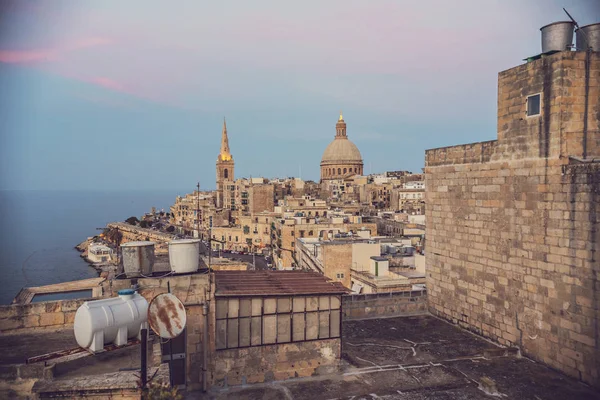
<point x="166" y="316"/>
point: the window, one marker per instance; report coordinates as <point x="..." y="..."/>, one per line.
<point x="292" y="244"/>
<point x="225" y="173"/>
<point x="533" y="105"/>
<point x="246" y="322"/>
<point x="339" y="276"/>
<point x="345" y="170"/>
<point x="339" y="171"/>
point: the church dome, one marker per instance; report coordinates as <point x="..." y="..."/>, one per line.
<point x="341" y="159"/>
<point x="341" y="150"/>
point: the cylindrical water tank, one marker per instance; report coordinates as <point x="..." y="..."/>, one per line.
<point x="138" y="258"/>
<point x="588" y="36"/>
<point x="184" y="255"/>
<point x="557" y="36"/>
<point x="113" y="320"/>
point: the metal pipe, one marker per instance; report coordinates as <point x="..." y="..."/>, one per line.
<point x="204" y="347"/>
<point x="144" y="360"/>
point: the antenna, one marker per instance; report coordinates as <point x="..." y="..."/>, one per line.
<point x="572" y="19"/>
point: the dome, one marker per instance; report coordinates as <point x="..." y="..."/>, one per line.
<point x="341" y="150"/>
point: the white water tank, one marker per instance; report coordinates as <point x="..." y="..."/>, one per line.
<point x="138" y="258"/>
<point x="184" y="255"/>
<point x="115" y="320"/>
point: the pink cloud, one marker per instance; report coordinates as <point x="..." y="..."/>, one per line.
<point x="108" y="83"/>
<point x="49" y="54"/>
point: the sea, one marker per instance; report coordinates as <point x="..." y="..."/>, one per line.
<point x="39" y="230"/>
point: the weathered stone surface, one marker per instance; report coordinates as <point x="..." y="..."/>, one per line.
<point x="512" y="233"/>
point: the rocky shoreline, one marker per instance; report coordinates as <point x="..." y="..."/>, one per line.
<point x="99" y="267"/>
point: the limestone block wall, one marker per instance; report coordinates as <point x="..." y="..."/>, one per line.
<point x="49" y="314"/>
<point x="337" y="262"/>
<point x="275" y="362"/>
<point x="512" y="232"/>
<point x="380" y="305"/>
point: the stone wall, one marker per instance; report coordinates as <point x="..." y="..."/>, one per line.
<point x="381" y="305"/>
<point x="512" y="231"/>
<point x="193" y="290"/>
<point x="51" y="314"/>
<point x="275" y="362"/>
<point x="337" y="261"/>
<point x="261" y="198"/>
<point x="133" y="233"/>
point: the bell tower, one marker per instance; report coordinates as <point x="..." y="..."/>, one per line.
<point x="225" y="173"/>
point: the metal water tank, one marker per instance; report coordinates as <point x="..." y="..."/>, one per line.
<point x="588" y="36"/>
<point x="113" y="320"/>
<point x="184" y="255"/>
<point x="138" y="258"/>
<point x="557" y="36"/>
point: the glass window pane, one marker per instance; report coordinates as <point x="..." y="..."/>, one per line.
<point x="245" y="305"/>
<point x="533" y="105"/>
<point x="335" y="323"/>
<point x="324" y="303"/>
<point x="312" y="325"/>
<point x="232" y="333"/>
<point x="270" y="305"/>
<point x="269" y="329"/>
<point x="234" y="307"/>
<point x="323" y="324"/>
<point x="256" y="327"/>
<point x="298" y="323"/>
<point x="335" y="302"/>
<point x="256" y="307"/>
<point x="221" y="334"/>
<point x="244" y="332"/>
<point x="312" y="303"/>
<point x="221" y="309"/>
<point x="299" y="303"/>
<point x="283" y="305"/>
<point x="283" y="328"/>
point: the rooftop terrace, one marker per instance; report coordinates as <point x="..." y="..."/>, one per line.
<point x="421" y="358"/>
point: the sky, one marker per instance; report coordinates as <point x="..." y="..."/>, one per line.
<point x="122" y="95"/>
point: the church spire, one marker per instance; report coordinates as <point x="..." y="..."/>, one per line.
<point x="225" y="153"/>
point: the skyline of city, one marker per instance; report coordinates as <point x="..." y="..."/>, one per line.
<point x="92" y="93"/>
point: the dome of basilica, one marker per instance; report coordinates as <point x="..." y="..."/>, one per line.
<point x="341" y="158"/>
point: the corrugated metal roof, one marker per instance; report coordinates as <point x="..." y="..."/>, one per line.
<point x="274" y="283"/>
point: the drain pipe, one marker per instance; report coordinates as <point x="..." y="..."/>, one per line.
<point x="204" y="346"/>
<point x="588" y="53"/>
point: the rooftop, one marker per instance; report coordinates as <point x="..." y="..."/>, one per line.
<point x="274" y="283"/>
<point x="421" y="358"/>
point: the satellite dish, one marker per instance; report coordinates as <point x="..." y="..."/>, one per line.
<point x="166" y="316"/>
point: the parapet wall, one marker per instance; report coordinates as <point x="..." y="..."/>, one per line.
<point x="49" y="314"/>
<point x="380" y="305"/>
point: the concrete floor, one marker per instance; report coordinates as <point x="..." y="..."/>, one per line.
<point x="420" y="358"/>
<point x="17" y="348"/>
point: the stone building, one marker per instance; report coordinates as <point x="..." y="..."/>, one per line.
<point x="225" y="173"/>
<point x="341" y="158"/>
<point x="512" y="232"/>
<point x="275" y="326"/>
<point x="191" y="211"/>
<point x="288" y="228"/>
<point x="261" y="198"/>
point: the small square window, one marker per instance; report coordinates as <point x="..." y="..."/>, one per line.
<point x="533" y="105"/>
